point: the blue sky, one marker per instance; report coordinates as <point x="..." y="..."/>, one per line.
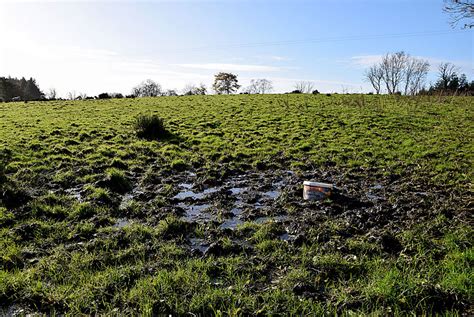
<point x="98" y="46"/>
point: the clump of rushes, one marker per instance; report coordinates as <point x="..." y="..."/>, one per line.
<point x="150" y="127"/>
<point x="117" y="181"/>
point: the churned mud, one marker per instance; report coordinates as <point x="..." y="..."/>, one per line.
<point x="377" y="207"/>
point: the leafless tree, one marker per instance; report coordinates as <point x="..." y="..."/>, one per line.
<point x="392" y="67"/>
<point x="148" y="88"/>
<point x="81" y="96"/>
<point x="398" y="71"/>
<point x="415" y="73"/>
<point x="171" y="92"/>
<point x="52" y="94"/>
<point x="259" y="86"/>
<point x="71" y="95"/>
<point x="446" y="73"/>
<point x="305" y="87"/>
<point x="375" y="75"/>
<point x="191" y="89"/>
<point x="460" y="10"/>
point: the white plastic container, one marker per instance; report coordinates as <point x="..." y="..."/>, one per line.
<point x="316" y="191"/>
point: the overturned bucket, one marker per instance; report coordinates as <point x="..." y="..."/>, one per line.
<point x="317" y="191"/>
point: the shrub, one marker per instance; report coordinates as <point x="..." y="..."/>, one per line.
<point x="150" y="127"/>
<point x="315" y="92"/>
<point x="104" y="96"/>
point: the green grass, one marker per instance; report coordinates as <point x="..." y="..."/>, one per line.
<point x="59" y="254"/>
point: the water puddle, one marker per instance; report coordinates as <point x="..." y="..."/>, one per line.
<point x="121" y="222"/>
<point x="196" y="196"/>
<point x="186" y="185"/>
<point x="261" y="220"/>
<point x="231" y="223"/>
<point x="199" y="244"/>
<point x="238" y="190"/>
<point x="126" y="199"/>
<point x="76" y="193"/>
<point x="273" y="194"/>
<point x="195" y="212"/>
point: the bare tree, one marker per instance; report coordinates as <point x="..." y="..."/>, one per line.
<point x="392" y="67"/>
<point x="397" y="69"/>
<point x="259" y="86"/>
<point x="52" y="94"/>
<point x="71" y="95"/>
<point x="191" y="89"/>
<point x="460" y="10"/>
<point x="304" y="87"/>
<point x="446" y="72"/>
<point x="375" y="75"/>
<point x="415" y="73"/>
<point x="81" y="96"/>
<point x="147" y="88"/>
<point x="171" y="92"/>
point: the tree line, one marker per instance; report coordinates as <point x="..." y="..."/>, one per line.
<point x="14" y="89"/>
<point x="397" y="73"/>
<point x="400" y="73"/>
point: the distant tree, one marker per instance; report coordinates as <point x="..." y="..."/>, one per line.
<point x="104" y="95"/>
<point x="225" y="83"/>
<point x="147" y="88"/>
<point x="52" y="94"/>
<point x="304" y="87"/>
<point x="116" y="95"/>
<point x="201" y="89"/>
<point x="447" y="76"/>
<point x="171" y="92"/>
<point x="259" y="86"/>
<point x="392" y="67"/>
<point x="375" y="75"/>
<point x="460" y="10"/>
<point x="315" y="92"/>
<point x="21" y="88"/>
<point x="191" y="89"/>
<point x="415" y="74"/>
<point x="32" y="91"/>
<point x="71" y="95"/>
<point x="399" y="72"/>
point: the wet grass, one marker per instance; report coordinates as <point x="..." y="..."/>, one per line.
<point x="90" y="222"/>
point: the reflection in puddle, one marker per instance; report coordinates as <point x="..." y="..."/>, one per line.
<point x="76" y="193"/>
<point x="231" y="223"/>
<point x="194" y="212"/>
<point x="190" y="194"/>
<point x="199" y="244"/>
<point x="121" y="222"/>
<point x="127" y="198"/>
<point x="280" y="218"/>
<point x="186" y="185"/>
<point x="272" y="193"/>
<point x="238" y="190"/>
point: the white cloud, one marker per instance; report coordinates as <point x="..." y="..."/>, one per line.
<point x="365" y="60"/>
<point x="232" y="67"/>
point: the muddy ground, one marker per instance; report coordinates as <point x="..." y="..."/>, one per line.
<point x="377" y="207"/>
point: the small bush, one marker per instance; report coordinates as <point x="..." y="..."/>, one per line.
<point x="104" y="95"/>
<point x="150" y="127"/>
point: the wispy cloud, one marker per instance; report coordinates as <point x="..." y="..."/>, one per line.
<point x="232" y="67"/>
<point x="365" y="60"/>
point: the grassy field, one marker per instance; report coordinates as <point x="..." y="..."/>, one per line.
<point x="210" y="219"/>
